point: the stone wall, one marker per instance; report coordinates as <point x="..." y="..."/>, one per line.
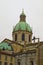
<point x="41" y="54"/>
<point x="25" y="59"/>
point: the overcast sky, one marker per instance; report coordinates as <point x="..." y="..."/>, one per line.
<point x="9" y="16"/>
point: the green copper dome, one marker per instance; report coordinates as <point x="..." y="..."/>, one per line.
<point x="22" y="26"/>
<point x="5" y="46"/>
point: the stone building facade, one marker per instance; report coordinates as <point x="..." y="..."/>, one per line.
<point x="21" y="50"/>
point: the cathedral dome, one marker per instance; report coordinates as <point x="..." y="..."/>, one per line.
<point x="22" y="26"/>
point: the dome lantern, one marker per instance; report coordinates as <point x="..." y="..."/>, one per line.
<point x="22" y="16"/>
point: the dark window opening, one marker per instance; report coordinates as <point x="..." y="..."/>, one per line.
<point x="11" y="64"/>
<point x="31" y="62"/>
<point x="23" y="37"/>
<point x="0" y="56"/>
<point x="3" y="48"/>
<point x="15" y="37"/>
<point x="0" y="63"/>
<point x="18" y="63"/>
<point x="5" y="63"/>
<point x="29" y="38"/>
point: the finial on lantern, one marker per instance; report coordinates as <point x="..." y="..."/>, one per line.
<point x="22" y="11"/>
<point x="22" y="16"/>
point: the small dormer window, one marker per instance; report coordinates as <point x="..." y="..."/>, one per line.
<point x="3" y="48"/>
<point x="23" y="37"/>
<point x="15" y="37"/>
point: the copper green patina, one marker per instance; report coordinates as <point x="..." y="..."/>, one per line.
<point x="22" y="26"/>
<point x="5" y="46"/>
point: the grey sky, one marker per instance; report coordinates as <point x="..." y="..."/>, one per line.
<point x="9" y="16"/>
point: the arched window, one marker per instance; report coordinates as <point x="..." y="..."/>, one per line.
<point x="15" y="37"/>
<point x="23" y="37"/>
